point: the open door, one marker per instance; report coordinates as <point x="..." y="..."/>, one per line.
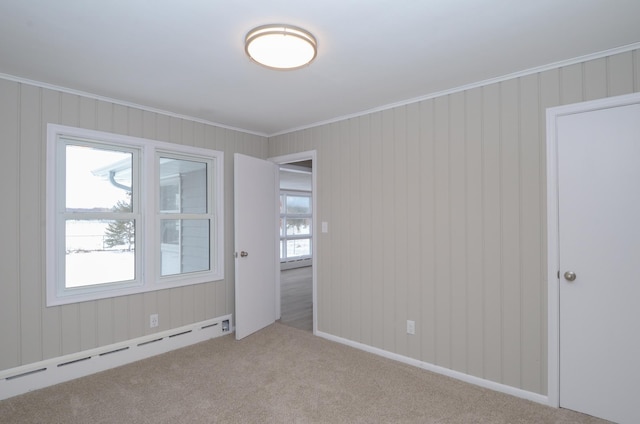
<point x="255" y="214"/>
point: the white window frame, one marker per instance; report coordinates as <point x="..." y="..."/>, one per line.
<point x="146" y="211"/>
<point x="177" y="215"/>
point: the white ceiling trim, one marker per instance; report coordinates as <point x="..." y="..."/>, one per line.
<point x="483" y="83"/>
<point x="123" y="103"/>
<point x="519" y="74"/>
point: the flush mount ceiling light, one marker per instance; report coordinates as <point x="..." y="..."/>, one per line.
<point x="280" y="46"/>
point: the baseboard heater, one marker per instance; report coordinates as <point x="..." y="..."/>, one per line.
<point x="23" y="379"/>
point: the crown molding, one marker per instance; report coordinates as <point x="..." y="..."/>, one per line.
<point x="123" y="103"/>
<point x="519" y="74"/>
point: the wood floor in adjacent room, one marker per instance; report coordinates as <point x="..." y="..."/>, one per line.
<point x="296" y="295"/>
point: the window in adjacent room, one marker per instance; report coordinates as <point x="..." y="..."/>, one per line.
<point x="295" y="226"/>
<point x="296" y="213"/>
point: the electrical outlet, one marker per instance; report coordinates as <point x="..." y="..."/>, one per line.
<point x="411" y="327"/>
<point x="153" y="320"/>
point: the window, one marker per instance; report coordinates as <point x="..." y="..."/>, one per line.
<point x="127" y="215"/>
<point x="295" y="225"/>
<point x="183" y="216"/>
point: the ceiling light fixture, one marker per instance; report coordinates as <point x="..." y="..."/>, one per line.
<point x="280" y="46"/>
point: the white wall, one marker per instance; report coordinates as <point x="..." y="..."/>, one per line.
<point x="30" y="332"/>
<point x="436" y="213"/>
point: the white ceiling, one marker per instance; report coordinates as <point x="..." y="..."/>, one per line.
<point x="187" y="57"/>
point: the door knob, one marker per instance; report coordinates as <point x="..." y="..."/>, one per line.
<point x="245" y="254"/>
<point x="570" y="276"/>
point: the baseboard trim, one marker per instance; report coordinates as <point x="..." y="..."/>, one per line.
<point x="488" y="384"/>
<point x="38" y="375"/>
<point x="301" y="263"/>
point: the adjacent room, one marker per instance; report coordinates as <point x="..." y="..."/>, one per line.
<point x="296" y="225"/>
<point x="399" y="212"/>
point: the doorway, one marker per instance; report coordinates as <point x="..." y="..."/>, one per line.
<point x="297" y="286"/>
<point x="593" y="150"/>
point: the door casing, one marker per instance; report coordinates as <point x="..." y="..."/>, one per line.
<point x="553" y="242"/>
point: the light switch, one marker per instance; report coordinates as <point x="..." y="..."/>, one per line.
<point x="325" y="227"/>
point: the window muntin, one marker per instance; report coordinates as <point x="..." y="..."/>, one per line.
<point x="102" y="237"/>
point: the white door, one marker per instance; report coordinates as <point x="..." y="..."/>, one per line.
<point x="255" y="243"/>
<point x="599" y="238"/>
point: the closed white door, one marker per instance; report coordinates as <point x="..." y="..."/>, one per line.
<point x="255" y="217"/>
<point x="599" y="238"/>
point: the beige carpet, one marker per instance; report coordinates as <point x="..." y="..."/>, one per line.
<point x="278" y="375"/>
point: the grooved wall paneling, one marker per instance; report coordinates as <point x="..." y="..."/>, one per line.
<point x="437" y="214"/>
<point x="29" y="331"/>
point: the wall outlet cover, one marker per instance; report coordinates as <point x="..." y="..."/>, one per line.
<point x="411" y="327"/>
